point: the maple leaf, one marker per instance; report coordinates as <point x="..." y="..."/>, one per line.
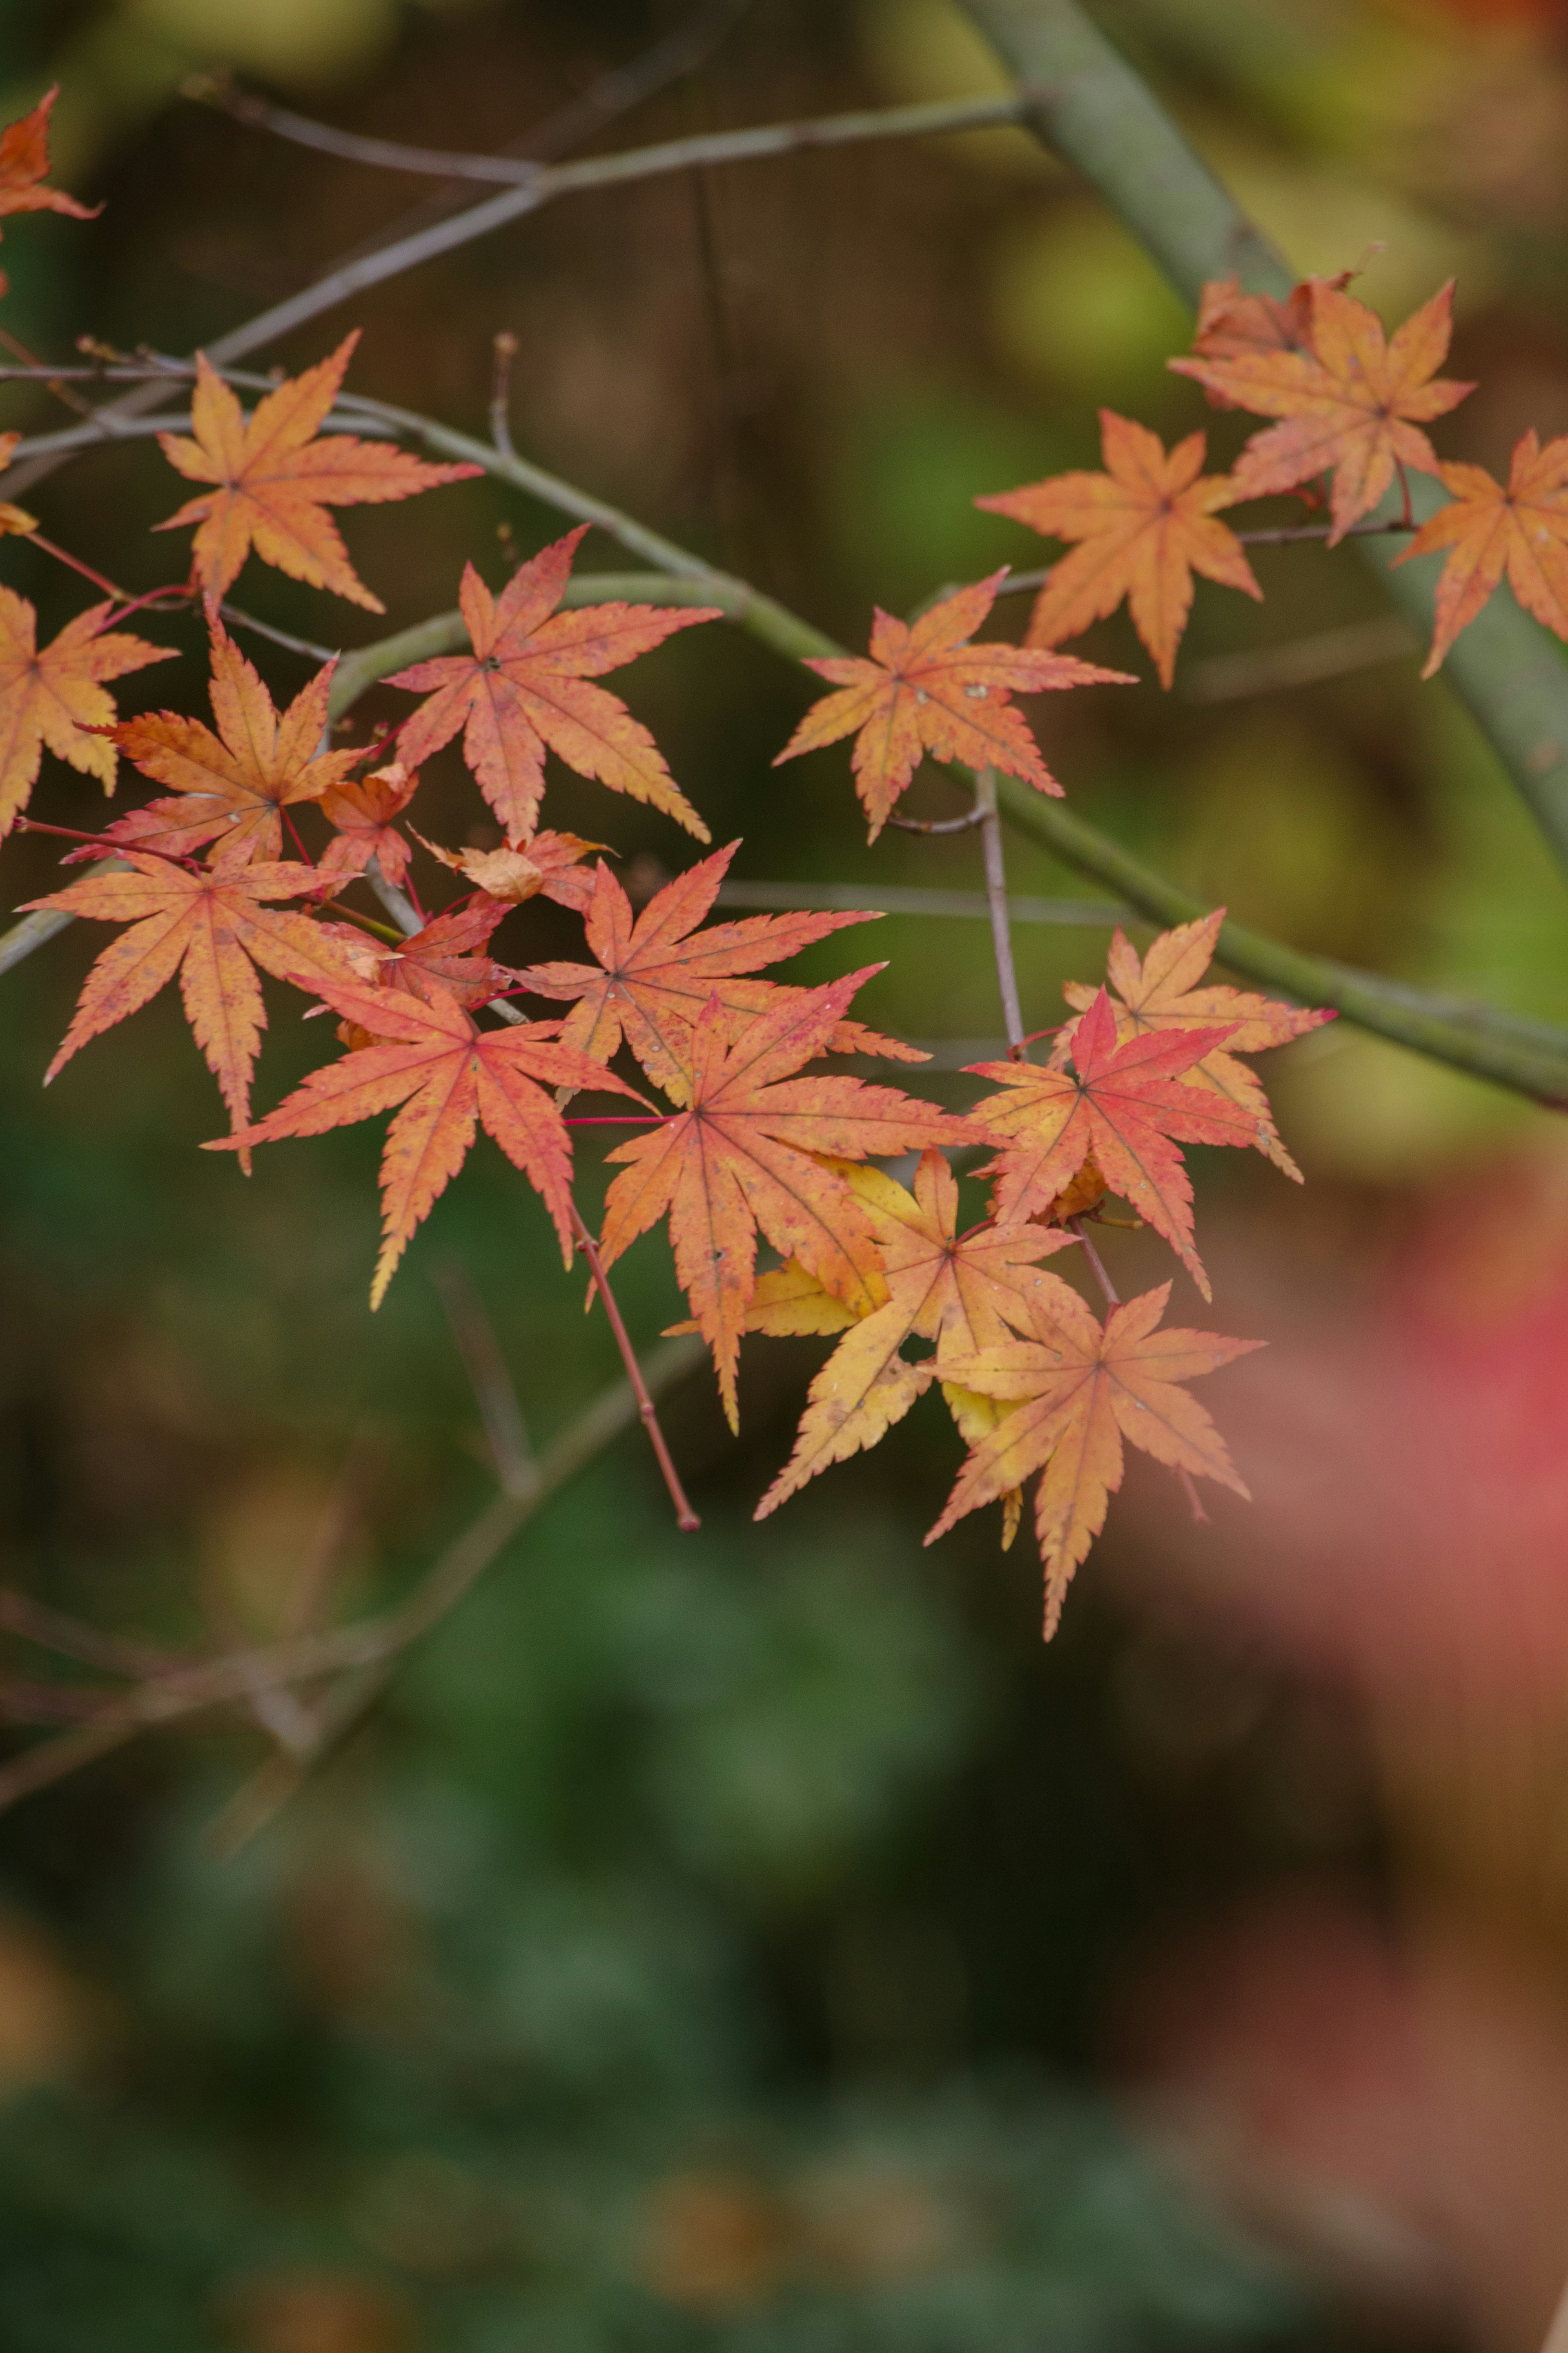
<point x="175" y="827"/>
<point x="654" y="976"/>
<point x="525" y="687"/>
<point x="25" y="160"/>
<point x="274" y="481"/>
<point x="444" y="957"/>
<point x="259" y="762"/>
<point x="1488" y="531"/>
<point x="360" y="811"/>
<point x="738" y="1158"/>
<point x="1077" y="1390"/>
<point x="1144" y="527"/>
<point x="926" y="689"/>
<point x="1121" y="1105"/>
<point x="546" y="862"/>
<point x="1162" y="993"/>
<point x="961" y="1291"/>
<point x="450" y="1079"/>
<point x="212" y="929"/>
<point x="1233" y="325"/>
<point x="55" y="697"/>
<point x="1355" y="402"/>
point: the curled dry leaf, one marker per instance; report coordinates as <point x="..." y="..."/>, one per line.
<point x="24" y="163"/>
<point x="1488" y="531"/>
<point x="259" y="762"/>
<point x="1120" y="1106"/>
<point x="1076" y="1391"/>
<point x="525" y="687"/>
<point x="656" y="974"/>
<point x="450" y="1079"/>
<point x="547" y="864"/>
<point x="926" y="689"/>
<point x="55" y="697"/>
<point x="274" y="480"/>
<point x="964" y="1291"/>
<point x="1143" y="528"/>
<point x="1162" y="993"/>
<point x="739" y="1157"/>
<point x="445" y="957"/>
<point x="1354" y="402"/>
<point x="211" y="928"/>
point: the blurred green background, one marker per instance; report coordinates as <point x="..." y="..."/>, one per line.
<point x="735" y="1941"/>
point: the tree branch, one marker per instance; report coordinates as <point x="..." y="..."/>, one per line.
<point x="1097" y="112"/>
<point x="186" y="1691"/>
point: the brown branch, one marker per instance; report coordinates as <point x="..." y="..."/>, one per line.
<point x="996" y="908"/>
<point x="51" y="1629"/>
<point x="1288" y="533"/>
<point x="184" y="1691"/>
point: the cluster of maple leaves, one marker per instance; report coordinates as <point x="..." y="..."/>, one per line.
<point x="757" y="1143"/>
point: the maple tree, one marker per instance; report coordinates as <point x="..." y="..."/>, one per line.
<point x="922" y="691"/>
<point x="758" y="1146"/>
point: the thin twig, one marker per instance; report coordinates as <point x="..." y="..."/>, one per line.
<point x="686" y="1518"/>
<point x="1288" y="533"/>
<point x="306" y="646"/>
<point x="1305" y="661"/>
<point x="189" y="1690"/>
<point x="996" y="907"/>
<point x="1112" y="1298"/>
<point x="1085" y="914"/>
<point x="500" y="392"/>
<point x="492" y="1383"/>
<point x="32" y="460"/>
<point x="964" y="824"/>
<point x="112" y="1654"/>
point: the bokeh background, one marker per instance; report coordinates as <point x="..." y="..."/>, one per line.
<point x="756" y="1941"/>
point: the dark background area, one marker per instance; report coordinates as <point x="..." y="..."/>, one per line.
<point x="756" y="1941"/>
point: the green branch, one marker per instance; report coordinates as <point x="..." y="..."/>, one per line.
<point x="1100" y="116"/>
<point x="1529" y="1057"/>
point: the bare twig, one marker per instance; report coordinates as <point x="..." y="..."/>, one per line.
<point x="686" y="1518"/>
<point x="511" y="204"/>
<point x="1286" y="534"/>
<point x="1086" y="914"/>
<point x="1331" y="653"/>
<point x="500" y="392"/>
<point x="186" y="1691"/>
<point x="996" y="908"/>
<point x="305" y="646"/>
<point x="488" y="1376"/>
<point x="1112" y="1297"/>
<point x="51" y="1629"/>
<point x="964" y="824"/>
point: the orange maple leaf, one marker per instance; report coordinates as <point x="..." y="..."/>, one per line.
<point x="525" y="687"/>
<point x="1233" y="325"/>
<point x="361" y="812"/>
<point x="739" y="1157"/>
<point x="1120" y="1106"/>
<point x="1488" y="531"/>
<point x="963" y="1291"/>
<point x="55" y="698"/>
<point x="927" y="688"/>
<point x="258" y="764"/>
<point x="1077" y="1390"/>
<point x="209" y="927"/>
<point x="451" y="1078"/>
<point x="1162" y="993"/>
<point x="1146" y="526"/>
<point x="24" y="161"/>
<point x="655" y="976"/>
<point x="1355" y="402"/>
<point x="275" y="481"/>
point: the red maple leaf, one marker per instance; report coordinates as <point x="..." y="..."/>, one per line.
<point x="1120" y="1106"/>
<point x="525" y="687"/>
<point x="53" y="696"/>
